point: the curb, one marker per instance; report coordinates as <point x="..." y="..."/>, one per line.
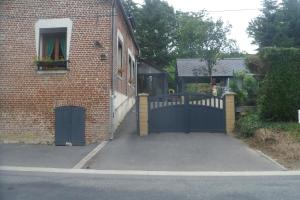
<point x="271" y="159"/>
<point x="151" y="173"/>
<point x="90" y="155"/>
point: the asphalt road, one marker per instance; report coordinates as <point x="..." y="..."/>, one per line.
<point x="49" y="186"/>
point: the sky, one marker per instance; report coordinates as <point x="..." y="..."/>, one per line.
<point x="238" y="19"/>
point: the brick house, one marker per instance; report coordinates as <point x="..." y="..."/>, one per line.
<point x="64" y="53"/>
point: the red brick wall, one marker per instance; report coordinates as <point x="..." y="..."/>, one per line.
<point x="28" y="99"/>
<point x="122" y="83"/>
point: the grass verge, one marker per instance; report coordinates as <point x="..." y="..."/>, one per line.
<point x="280" y="140"/>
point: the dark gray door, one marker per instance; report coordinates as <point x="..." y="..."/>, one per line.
<point x="186" y="113"/>
<point x="63" y="123"/>
<point x="70" y="126"/>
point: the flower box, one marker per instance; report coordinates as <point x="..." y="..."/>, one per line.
<point x="52" y="65"/>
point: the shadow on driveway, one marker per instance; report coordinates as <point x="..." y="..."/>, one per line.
<point x="177" y="152"/>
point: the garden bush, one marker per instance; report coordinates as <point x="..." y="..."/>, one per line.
<point x="280" y="90"/>
<point x="248" y="124"/>
<point x="198" y="88"/>
<point x="246" y="88"/>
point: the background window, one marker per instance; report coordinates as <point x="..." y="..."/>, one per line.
<point x="120" y="58"/>
<point x="129" y="68"/>
<point x="133" y="70"/>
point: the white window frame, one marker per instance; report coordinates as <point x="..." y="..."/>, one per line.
<point x="130" y="68"/>
<point x="53" y="23"/>
<point x="120" y="39"/>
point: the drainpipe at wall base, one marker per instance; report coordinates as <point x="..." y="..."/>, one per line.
<point x="111" y="115"/>
<point x="112" y="92"/>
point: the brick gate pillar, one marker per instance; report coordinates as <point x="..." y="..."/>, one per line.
<point x="230" y="112"/>
<point x="143" y="115"/>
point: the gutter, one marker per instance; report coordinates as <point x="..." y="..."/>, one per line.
<point x="128" y="25"/>
<point x="112" y="92"/>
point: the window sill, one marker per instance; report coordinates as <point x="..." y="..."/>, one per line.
<point x="52" y="71"/>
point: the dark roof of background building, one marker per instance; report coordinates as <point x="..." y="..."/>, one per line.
<point x="196" y="67"/>
<point x="145" y="68"/>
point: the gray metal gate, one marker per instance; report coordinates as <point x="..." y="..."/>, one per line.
<point x="70" y="126"/>
<point x="186" y="113"/>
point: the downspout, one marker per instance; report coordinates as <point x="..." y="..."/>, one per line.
<point x="112" y="92"/>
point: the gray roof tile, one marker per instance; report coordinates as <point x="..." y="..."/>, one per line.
<point x="144" y="68"/>
<point x="224" y="67"/>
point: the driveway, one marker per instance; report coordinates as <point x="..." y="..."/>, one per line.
<point x="42" y="155"/>
<point x="177" y="152"/>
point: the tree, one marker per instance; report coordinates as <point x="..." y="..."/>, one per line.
<point x="291" y="19"/>
<point x="155" y="31"/>
<point x="246" y="88"/>
<point x="171" y="70"/>
<point x="215" y="43"/>
<point x="262" y="28"/>
<point x="130" y="7"/>
<point x="190" y="34"/>
<point x="279" y="98"/>
<point x="278" y="26"/>
<point x="155" y="25"/>
<point x="234" y="54"/>
<point x="164" y="35"/>
<point x="200" y="37"/>
<point x="131" y="10"/>
<point x="256" y="66"/>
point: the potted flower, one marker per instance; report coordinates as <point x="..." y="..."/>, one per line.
<point x="50" y="64"/>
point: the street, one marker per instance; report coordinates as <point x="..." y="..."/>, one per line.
<point x="49" y="186"/>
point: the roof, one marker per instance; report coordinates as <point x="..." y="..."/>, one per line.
<point x="128" y="23"/>
<point x="144" y="68"/>
<point x="197" y="67"/>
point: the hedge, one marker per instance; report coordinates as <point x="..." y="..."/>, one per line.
<point x="279" y="97"/>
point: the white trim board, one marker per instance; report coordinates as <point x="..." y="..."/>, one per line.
<point x="152" y="173"/>
<point x="53" y="23"/>
<point x="90" y="155"/>
<point x="120" y="36"/>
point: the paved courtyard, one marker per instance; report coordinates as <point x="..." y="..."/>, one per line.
<point x="177" y="152"/>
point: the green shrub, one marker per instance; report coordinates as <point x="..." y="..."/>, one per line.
<point x="198" y="87"/>
<point x="248" y="124"/>
<point x="246" y="88"/>
<point x="255" y="65"/>
<point x="280" y="90"/>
